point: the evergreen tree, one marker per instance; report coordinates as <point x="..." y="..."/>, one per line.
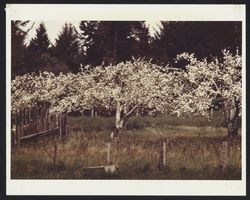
<point x="205" y="39"/>
<point x="142" y="38"/>
<point x="41" y="42"/>
<point x="18" y="47"/>
<point x="110" y="42"/>
<point x="88" y="33"/>
<point x="67" y="47"/>
<point x="89" y="50"/>
<point x="38" y="50"/>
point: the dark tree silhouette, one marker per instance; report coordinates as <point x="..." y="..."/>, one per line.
<point x="38" y="50"/>
<point x="18" y="47"/>
<point x="41" y="42"/>
<point x="205" y="39"/>
<point x="67" y="47"/>
<point x="110" y="42"/>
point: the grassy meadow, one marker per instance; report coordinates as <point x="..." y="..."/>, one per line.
<point x="193" y="148"/>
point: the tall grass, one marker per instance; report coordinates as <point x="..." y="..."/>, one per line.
<point x="193" y="152"/>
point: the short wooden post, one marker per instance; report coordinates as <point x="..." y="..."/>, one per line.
<point x="224" y="156"/>
<point x="108" y="153"/>
<point x="18" y="135"/>
<point x="164" y="154"/>
<point x="60" y="125"/>
<point x="47" y="120"/>
<point x="53" y="121"/>
<point x="64" y="124"/>
<point x="55" y="153"/>
<point x="21" y="130"/>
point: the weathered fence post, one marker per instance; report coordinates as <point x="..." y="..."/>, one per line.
<point x="65" y="121"/>
<point x="224" y="156"/>
<point x="164" y="154"/>
<point x="108" y="153"/>
<point x="18" y="135"/>
<point x="48" y="119"/>
<point x="55" y="153"/>
<point x="60" y="125"/>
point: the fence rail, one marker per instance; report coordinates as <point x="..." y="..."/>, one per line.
<point x="36" y="121"/>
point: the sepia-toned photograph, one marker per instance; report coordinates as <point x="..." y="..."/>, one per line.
<point x="126" y="99"/>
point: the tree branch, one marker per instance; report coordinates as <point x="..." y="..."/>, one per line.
<point x="131" y="111"/>
<point x="216" y="86"/>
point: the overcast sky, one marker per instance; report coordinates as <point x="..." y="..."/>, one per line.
<point x="55" y="27"/>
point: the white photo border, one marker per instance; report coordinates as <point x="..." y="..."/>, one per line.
<point x="126" y="12"/>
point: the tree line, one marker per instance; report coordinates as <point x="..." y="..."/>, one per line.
<point x="111" y="42"/>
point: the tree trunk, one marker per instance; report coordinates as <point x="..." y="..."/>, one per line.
<point x="232" y="129"/>
<point x="137" y="112"/>
<point x="231" y="112"/>
<point x="121" y="117"/>
<point x="212" y="113"/>
<point x="118" y="119"/>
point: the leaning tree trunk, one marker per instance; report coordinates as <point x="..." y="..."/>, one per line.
<point x="119" y="120"/>
<point x="231" y="112"/>
<point x="121" y="117"/>
<point x="92" y="112"/>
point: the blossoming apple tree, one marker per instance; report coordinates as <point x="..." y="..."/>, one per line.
<point x="31" y="89"/>
<point x="203" y="82"/>
<point x="125" y="87"/>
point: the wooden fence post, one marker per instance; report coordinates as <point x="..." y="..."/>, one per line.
<point x="164" y="154"/>
<point x="48" y="120"/>
<point x="65" y="123"/>
<point x="55" y="153"/>
<point x="18" y="135"/>
<point x="52" y="120"/>
<point x="224" y="156"/>
<point x="108" y="153"/>
<point x="60" y="125"/>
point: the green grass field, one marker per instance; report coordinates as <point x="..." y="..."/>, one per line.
<point x="193" y="148"/>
